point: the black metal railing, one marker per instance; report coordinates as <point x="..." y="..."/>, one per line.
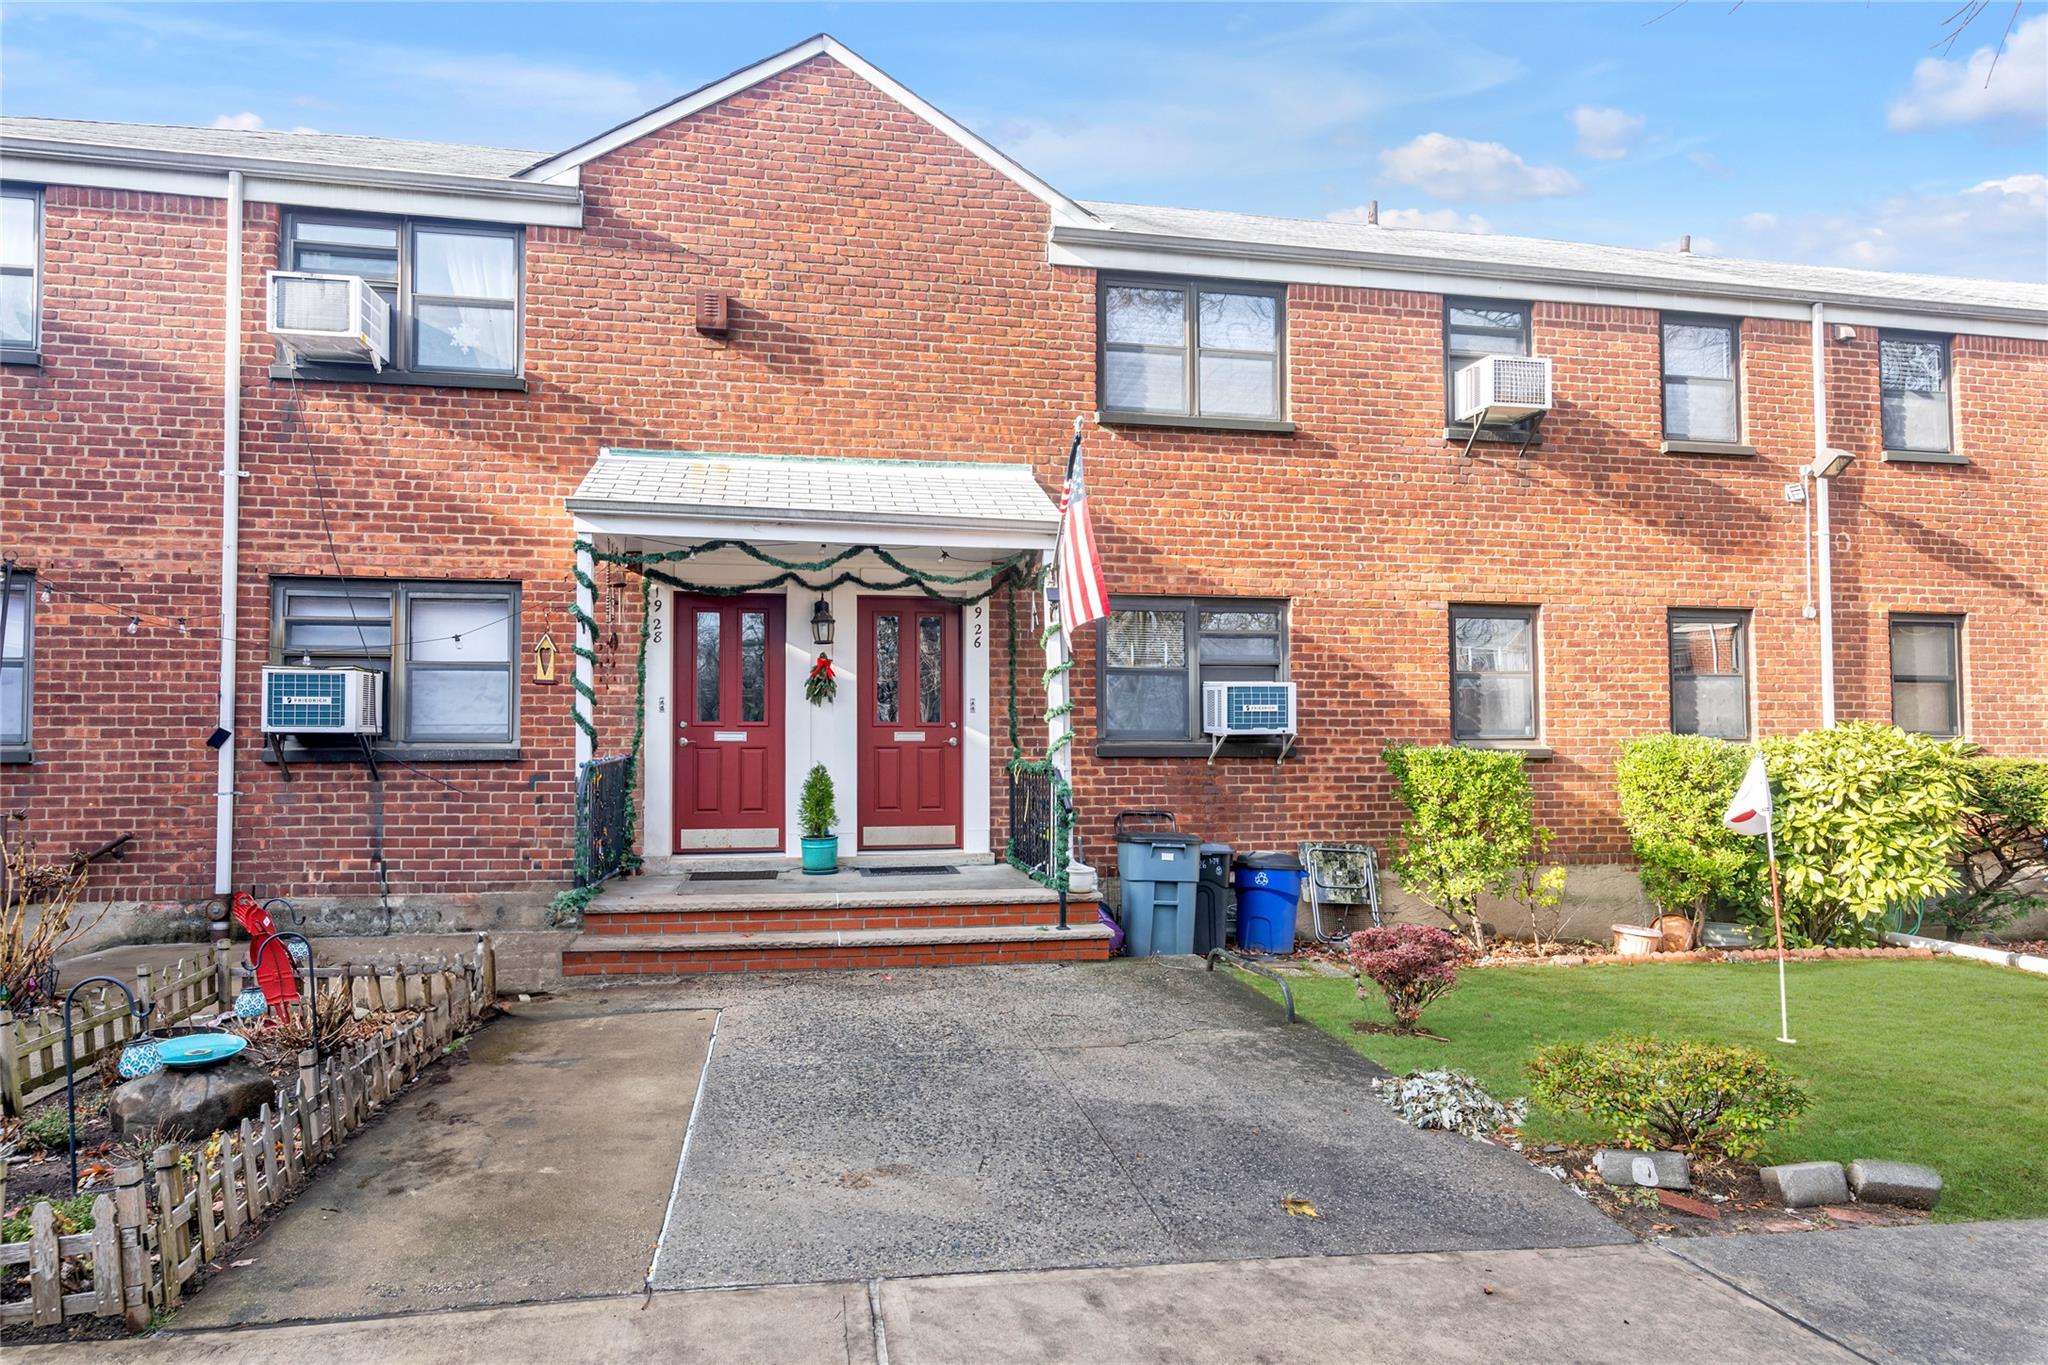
<point x="605" y="838"/>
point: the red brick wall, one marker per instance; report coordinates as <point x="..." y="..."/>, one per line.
<point x="892" y="300"/>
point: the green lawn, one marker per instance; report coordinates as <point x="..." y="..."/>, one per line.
<point x="1943" y="1062"/>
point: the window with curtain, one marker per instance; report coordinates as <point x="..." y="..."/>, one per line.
<point x="449" y="652"/>
<point x="1155" y="654"/>
<point x="1702" y="392"/>
<point x="453" y="290"/>
<point x="1913" y="384"/>
<point x="1475" y="329"/>
<point x="1493" y="673"/>
<point x="1709" y="657"/>
<point x="21" y="272"/>
<point x="17" y="658"/>
<point x="1192" y="350"/>
<point x="1927" y="675"/>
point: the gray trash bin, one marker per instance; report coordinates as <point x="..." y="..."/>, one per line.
<point x="1156" y="871"/>
<point x="1215" y="902"/>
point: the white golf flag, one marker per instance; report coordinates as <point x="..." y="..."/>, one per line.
<point x="1750" y="811"/>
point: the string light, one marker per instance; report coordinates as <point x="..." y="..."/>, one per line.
<point x="135" y="625"/>
<point x="45" y="594"/>
<point x="182" y="628"/>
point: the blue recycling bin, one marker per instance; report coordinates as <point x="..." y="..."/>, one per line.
<point x="1156" y="870"/>
<point x="1268" y="894"/>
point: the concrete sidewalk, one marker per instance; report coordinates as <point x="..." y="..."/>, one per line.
<point x="1621" y="1304"/>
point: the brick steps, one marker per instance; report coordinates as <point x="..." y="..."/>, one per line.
<point x="681" y="916"/>
<point x="782" y="950"/>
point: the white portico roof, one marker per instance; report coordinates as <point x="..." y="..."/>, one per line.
<point x="681" y="494"/>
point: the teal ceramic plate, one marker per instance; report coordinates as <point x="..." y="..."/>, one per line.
<point x="199" y="1049"/>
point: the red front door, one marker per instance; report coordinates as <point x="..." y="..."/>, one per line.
<point x="909" y="723"/>
<point x="728" y="769"/>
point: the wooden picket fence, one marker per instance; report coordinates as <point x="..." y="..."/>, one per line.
<point x="32" y="1046"/>
<point x="155" y="1235"/>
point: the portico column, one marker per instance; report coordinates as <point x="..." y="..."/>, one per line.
<point x="582" y="699"/>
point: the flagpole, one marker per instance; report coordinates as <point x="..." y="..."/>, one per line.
<point x="1778" y="919"/>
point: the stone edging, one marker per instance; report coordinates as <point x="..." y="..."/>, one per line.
<point x="1916" y="949"/>
<point x="1976" y="952"/>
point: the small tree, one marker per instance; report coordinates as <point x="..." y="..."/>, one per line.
<point x="817" y="808"/>
<point x="1674" y="789"/>
<point x="1412" y="964"/>
<point x="2004" y="846"/>
<point x="1868" y="818"/>
<point x="1471" y="830"/>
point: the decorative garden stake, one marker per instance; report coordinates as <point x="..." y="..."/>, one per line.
<point x="139" y="1058"/>
<point x="821" y="687"/>
<point x="299" y="949"/>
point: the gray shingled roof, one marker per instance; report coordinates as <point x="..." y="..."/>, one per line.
<point x="1477" y="252"/>
<point x="750" y="487"/>
<point x="318" y="149"/>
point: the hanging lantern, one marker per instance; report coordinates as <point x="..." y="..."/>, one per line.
<point x="140" y="1058"/>
<point x="821" y="622"/>
<point x="251" y="1004"/>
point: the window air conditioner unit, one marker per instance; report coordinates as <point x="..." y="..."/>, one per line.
<point x="1233" y="709"/>
<point x="1502" y="388"/>
<point x="329" y="317"/>
<point x="323" y="701"/>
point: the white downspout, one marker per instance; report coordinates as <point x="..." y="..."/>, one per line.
<point x="230" y="540"/>
<point x="1826" y="554"/>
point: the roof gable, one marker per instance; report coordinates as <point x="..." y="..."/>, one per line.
<point x="563" y="165"/>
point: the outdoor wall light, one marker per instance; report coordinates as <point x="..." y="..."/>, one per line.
<point x="1830" y="464"/>
<point x="821" y="622"/>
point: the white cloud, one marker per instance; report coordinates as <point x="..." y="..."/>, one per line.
<point x="1434" y="220"/>
<point x="1710" y="164"/>
<point x="1992" y="229"/>
<point x="1945" y="93"/>
<point x="1604" y="134"/>
<point x="244" y="122"/>
<point x="1458" y="168"/>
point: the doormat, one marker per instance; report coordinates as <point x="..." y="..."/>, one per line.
<point x="923" y="870"/>
<point x="765" y="874"/>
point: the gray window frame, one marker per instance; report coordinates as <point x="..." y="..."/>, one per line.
<point x="1954" y="682"/>
<point x="1733" y="326"/>
<point x="1457" y="360"/>
<point x="1191" y="744"/>
<point x="1483" y="610"/>
<point x="1946" y="344"/>
<point x="405" y="318"/>
<point x="1714" y="616"/>
<point x="32" y="353"/>
<point x="1191" y="352"/>
<point x="398" y="739"/>
<point x="19" y="748"/>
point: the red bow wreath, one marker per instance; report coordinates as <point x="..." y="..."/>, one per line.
<point x="820" y="686"/>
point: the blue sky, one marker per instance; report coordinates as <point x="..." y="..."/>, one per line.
<point x="1832" y="133"/>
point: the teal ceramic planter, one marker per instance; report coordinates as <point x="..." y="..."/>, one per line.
<point x="822" y="855"/>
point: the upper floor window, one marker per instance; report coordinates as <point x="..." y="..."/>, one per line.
<point x="449" y="650"/>
<point x="1193" y="351"/>
<point x="1709" y="654"/>
<point x="1927" y="686"/>
<point x="1913" y="390"/>
<point x="453" y="289"/>
<point x="1493" y="673"/>
<point x="17" y="659"/>
<point x="1702" y="393"/>
<point x="1157" y="652"/>
<point x="1475" y="329"/>
<point x="21" y="273"/>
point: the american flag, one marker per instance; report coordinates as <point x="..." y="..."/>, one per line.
<point x="1084" y="597"/>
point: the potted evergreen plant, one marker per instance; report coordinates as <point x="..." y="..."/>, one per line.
<point x="816" y="812"/>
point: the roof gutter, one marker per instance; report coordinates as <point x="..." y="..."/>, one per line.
<point x="1292" y="254"/>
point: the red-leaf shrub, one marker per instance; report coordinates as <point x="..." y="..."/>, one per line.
<point x="1412" y="964"/>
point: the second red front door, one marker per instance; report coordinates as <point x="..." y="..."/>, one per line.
<point x="910" y="737"/>
<point x="728" y="768"/>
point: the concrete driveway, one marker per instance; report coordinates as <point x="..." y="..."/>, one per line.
<point x="1124" y="1113"/>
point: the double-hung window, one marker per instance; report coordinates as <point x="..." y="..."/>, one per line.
<point x="452" y="291"/>
<point x="17" y="669"/>
<point x="1156" y="653"/>
<point x="1493" y="674"/>
<point x="1913" y="385"/>
<point x="1927" y="675"/>
<point x="449" y="653"/>
<point x="1702" y="388"/>
<point x="1475" y="329"/>
<point x="1193" y="352"/>
<point x="21" y="273"/>
<point x="1709" y="655"/>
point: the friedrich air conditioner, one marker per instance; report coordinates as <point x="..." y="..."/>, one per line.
<point x="329" y="317"/>
<point x="323" y="701"/>
<point x="1501" y="388"/>
<point x="1234" y="709"/>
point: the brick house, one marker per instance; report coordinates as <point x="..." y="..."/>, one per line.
<point x="801" y="317"/>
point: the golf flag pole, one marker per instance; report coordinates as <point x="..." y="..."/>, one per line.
<point x="1750" y="813"/>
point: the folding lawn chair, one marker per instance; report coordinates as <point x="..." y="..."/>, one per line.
<point x="1339" y="874"/>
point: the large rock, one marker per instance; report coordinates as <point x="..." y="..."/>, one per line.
<point x="1652" y="1170"/>
<point x="1806" y="1184"/>
<point x="1895" y="1182"/>
<point x="196" y="1101"/>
